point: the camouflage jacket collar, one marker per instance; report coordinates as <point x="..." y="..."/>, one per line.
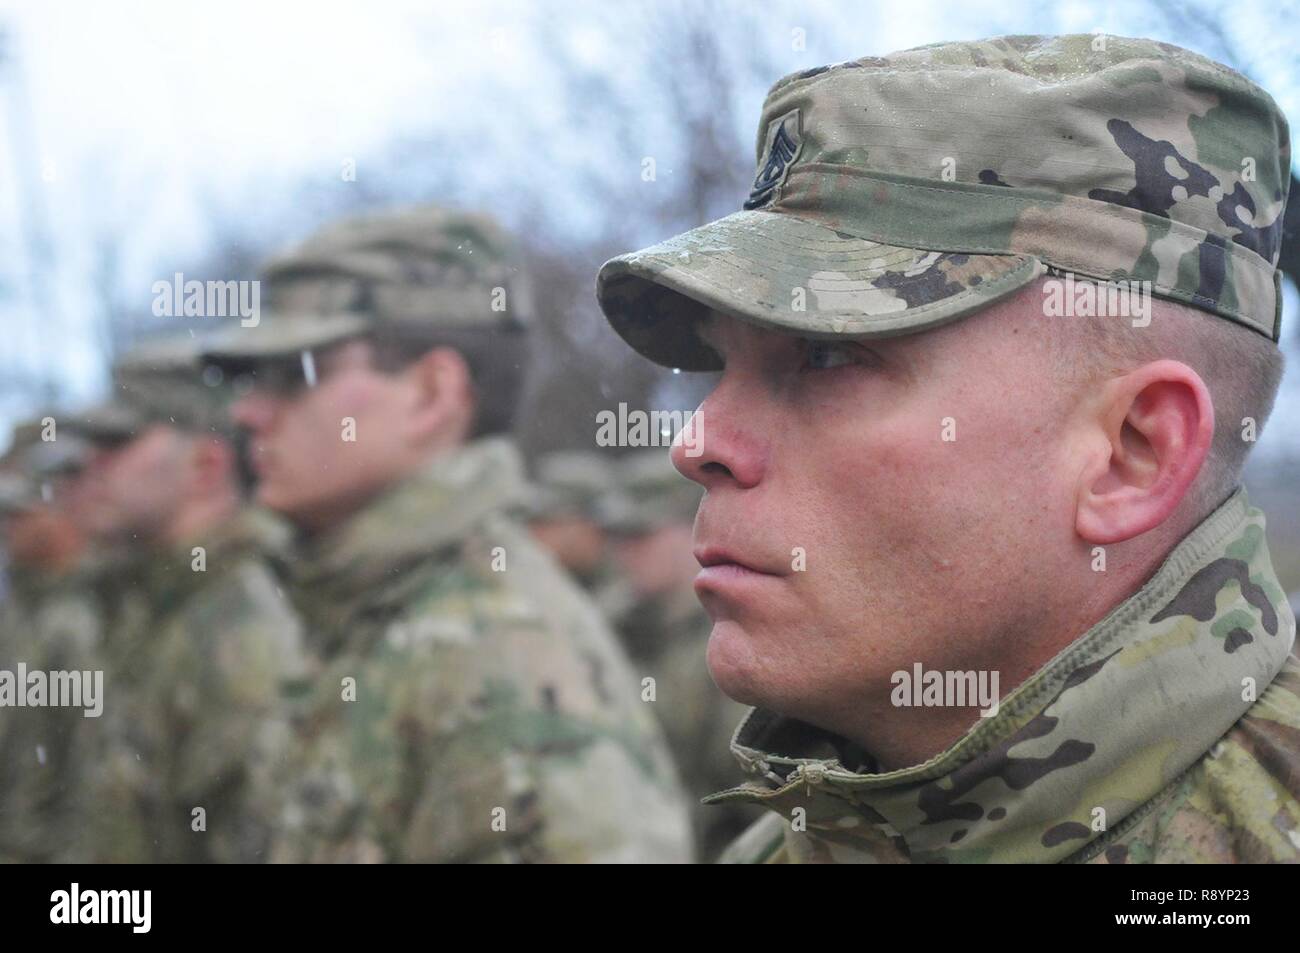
<point x="433" y="509"/>
<point x="170" y="573"/>
<point x="1077" y="753"/>
<point x="31" y="585"/>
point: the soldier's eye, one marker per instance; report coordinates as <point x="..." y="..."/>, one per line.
<point x="823" y="355"/>
<point x="283" y="379"/>
<point x="242" y="384"/>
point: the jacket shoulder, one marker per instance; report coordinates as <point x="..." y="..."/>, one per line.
<point x="1240" y="802"/>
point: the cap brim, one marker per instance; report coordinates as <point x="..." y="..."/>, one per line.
<point x="106" y="423"/>
<point x="282" y="335"/>
<point x="791" y="274"/>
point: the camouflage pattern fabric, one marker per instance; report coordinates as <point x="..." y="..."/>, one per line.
<point x="890" y="198"/>
<point x="561" y="507"/>
<point x="16" y="493"/>
<point x="156" y="383"/>
<point x="34" y="467"/>
<point x="1169" y="732"/>
<point x="422" y="267"/>
<point x="49" y="623"/>
<point x="471" y="704"/>
<point x="569" y="483"/>
<point x="195" y="666"/>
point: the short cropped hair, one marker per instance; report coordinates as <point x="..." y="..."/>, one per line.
<point x="495" y="356"/>
<point x="1242" y="369"/>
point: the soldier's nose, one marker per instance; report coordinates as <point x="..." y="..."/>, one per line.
<point x="717" y="447"/>
<point x="253" y="411"/>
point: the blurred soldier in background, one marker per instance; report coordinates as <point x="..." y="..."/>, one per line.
<point x="198" y="639"/>
<point x="648" y="511"/>
<point x="42" y="540"/>
<point x="562" y="513"/>
<point x="49" y="621"/>
<point x="473" y="706"/>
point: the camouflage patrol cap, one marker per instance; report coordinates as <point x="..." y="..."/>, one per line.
<point x="16" y="493"/>
<point x="38" y="450"/>
<point x="648" y="493"/>
<point x="898" y="193"/>
<point x="415" y="269"/>
<point x="569" y="483"/>
<point x="160" y="382"/>
<point x="38" y="453"/>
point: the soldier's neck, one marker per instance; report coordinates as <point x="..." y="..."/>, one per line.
<point x="317" y="523"/>
<point x="903" y="735"/>
<point x="198" y="517"/>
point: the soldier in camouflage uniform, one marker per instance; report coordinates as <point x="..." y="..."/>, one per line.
<point x="199" y="641"/>
<point x="42" y="542"/>
<point x="49" y="621"/>
<point x="647" y="511"/>
<point x="471" y="704"/>
<point x="562" y="515"/>
<point x="916" y="460"/>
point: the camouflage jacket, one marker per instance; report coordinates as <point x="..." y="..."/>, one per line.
<point x="48" y="624"/>
<point x="44" y="618"/>
<point x="197" y="649"/>
<point x="1167" y="733"/>
<point x="471" y="705"/>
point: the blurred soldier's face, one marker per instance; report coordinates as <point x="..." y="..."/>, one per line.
<point x="659" y="561"/>
<point x="320" y="452"/>
<point x="135" y="488"/>
<point x="42" y="534"/>
<point x="577" y="543"/>
<point x="832" y="457"/>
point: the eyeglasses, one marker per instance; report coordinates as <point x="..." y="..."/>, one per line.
<point x="288" y="375"/>
<point x="279" y="377"/>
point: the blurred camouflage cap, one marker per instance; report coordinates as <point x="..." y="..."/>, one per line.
<point x="648" y="493"/>
<point x="160" y="382"/>
<point x="907" y="191"/>
<point x="16" y="493"/>
<point x="38" y="451"/>
<point x="569" y="483"/>
<point x="421" y="268"/>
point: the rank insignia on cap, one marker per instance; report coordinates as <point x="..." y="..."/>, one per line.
<point x="783" y="143"/>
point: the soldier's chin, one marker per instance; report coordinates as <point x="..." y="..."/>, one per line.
<point x="278" y="499"/>
<point x="733" y="663"/>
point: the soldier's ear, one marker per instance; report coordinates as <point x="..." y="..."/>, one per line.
<point x="443" y="396"/>
<point x="1149" y="437"/>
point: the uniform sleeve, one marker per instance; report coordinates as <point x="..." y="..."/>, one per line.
<point x="224" y="662"/>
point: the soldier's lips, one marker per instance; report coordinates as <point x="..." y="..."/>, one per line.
<point x="725" y="573"/>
